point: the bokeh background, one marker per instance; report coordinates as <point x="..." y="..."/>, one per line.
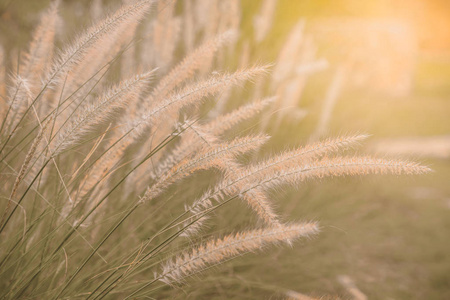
<point x="378" y="67"/>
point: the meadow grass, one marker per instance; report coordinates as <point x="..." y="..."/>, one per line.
<point x="121" y="183"/>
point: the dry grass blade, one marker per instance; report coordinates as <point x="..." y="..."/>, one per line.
<point x="75" y="53"/>
<point x="225" y="122"/>
<point x="304" y="154"/>
<point x="339" y="166"/>
<point x="92" y="115"/>
<point x="214" y="252"/>
<point x="37" y="59"/>
<point x="218" y="157"/>
<point x="194" y="94"/>
<point x="189" y="65"/>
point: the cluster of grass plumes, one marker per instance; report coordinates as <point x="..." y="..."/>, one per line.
<point x="97" y="176"/>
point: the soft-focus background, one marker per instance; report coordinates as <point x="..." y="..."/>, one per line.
<point x="378" y="67"/>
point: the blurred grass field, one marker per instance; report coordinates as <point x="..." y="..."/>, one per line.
<point x="389" y="234"/>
